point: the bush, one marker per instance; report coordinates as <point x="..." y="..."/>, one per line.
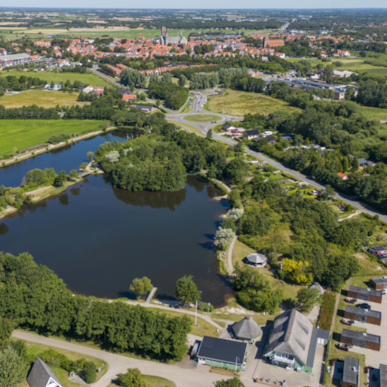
<point x="89" y="373"/>
<point x="327" y="311"/>
<point x="58" y="138"/>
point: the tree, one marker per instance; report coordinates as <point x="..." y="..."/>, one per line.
<point x="89" y="373"/>
<point x="307" y="299"/>
<point x="235" y="382"/>
<point x="182" y="80"/>
<point x="223" y="237"/>
<point x="141" y="286"/>
<point x="132" y="378"/>
<point x="90" y="155"/>
<point x="60" y="179"/>
<point x="13" y="369"/>
<point x="209" y="134"/>
<point x="187" y="290"/>
<point x="73" y="174"/>
<point x="6" y="329"/>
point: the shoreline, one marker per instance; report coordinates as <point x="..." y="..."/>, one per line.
<point x="52" y="147"/>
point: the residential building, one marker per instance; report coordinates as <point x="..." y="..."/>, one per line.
<point x="363" y="315"/>
<point x="363" y="163"/>
<point x="343" y="176"/>
<point x="359" y="339"/>
<point x="370" y="295"/>
<point x="222" y="353"/>
<point x="13" y="60"/>
<point x="247" y="329"/>
<point x="379" y="283"/>
<point x="251" y="134"/>
<point x="351" y="372"/>
<point x="88" y="89"/>
<point x="257" y="260"/>
<point x="293" y="341"/>
<point x="377" y="250"/>
<point x="146" y="109"/>
<point x="129" y="97"/>
<point x="41" y="375"/>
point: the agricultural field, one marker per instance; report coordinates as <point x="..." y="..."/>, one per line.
<point x="49" y="76"/>
<point x="16" y="135"/>
<point x="46" y="99"/>
<point x="239" y="103"/>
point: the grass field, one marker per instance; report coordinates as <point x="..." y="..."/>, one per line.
<point x="153" y="381"/>
<point x="202" y="118"/>
<point x="375" y="113"/>
<point x="239" y="103"/>
<point x="187" y="126"/>
<point x="50" y="76"/>
<point x="47" y="99"/>
<point x="21" y="134"/>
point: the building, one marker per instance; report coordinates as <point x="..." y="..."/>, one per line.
<point x="251" y="134"/>
<point x="146" y="109"/>
<point x="166" y="39"/>
<point x="272" y="43"/>
<point x="383" y="375"/>
<point x="41" y="375"/>
<point x="247" y="329"/>
<point x="227" y="127"/>
<point x="365" y="294"/>
<point x="13" y="60"/>
<point x="379" y="283"/>
<point x="377" y="250"/>
<point x="129" y="97"/>
<point x="257" y="260"/>
<point x="363" y="315"/>
<point x="362" y="340"/>
<point x="363" y="163"/>
<point x="317" y="286"/>
<point x="270" y="139"/>
<point x="222" y="353"/>
<point x="342" y="176"/>
<point x="351" y="372"/>
<point x="293" y="341"/>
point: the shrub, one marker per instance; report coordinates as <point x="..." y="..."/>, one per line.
<point x="58" y="138"/>
<point x="89" y="373"/>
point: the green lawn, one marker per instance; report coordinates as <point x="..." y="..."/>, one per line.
<point x="50" y="76"/>
<point x="21" y="134"/>
<point x="187" y="126"/>
<point x="202" y="118"/>
<point x="375" y="113"/>
<point x="239" y="103"/>
<point x="46" y="99"/>
<point x="153" y="381"/>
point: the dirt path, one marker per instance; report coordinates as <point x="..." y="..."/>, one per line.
<point x="39" y="191"/>
<point x="230" y="266"/>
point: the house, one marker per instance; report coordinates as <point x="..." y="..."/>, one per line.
<point x="228" y="126"/>
<point x="13" y="60"/>
<point x="343" y="74"/>
<point x="247" y="329"/>
<point x="54" y="88"/>
<point x="287" y="137"/>
<point x="257" y="260"/>
<point x="379" y="283"/>
<point x="146" y="109"/>
<point x="222" y="353"/>
<point x="41" y="375"/>
<point x="343" y="176"/>
<point x="317" y="286"/>
<point x="382" y="375"/>
<point x="99" y="90"/>
<point x="88" y="89"/>
<point x="351" y="372"/>
<point x="129" y="97"/>
<point x="359" y="339"/>
<point x="377" y="250"/>
<point x="363" y="163"/>
<point x="363" y="315"/>
<point x="292" y="342"/>
<point x="251" y="134"/>
<point x="270" y="139"/>
<point x="370" y="295"/>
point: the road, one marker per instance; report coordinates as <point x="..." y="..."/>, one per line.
<point x="204" y="127"/>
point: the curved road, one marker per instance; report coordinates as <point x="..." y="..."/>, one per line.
<point x="200" y="100"/>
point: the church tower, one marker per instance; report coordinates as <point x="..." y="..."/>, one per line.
<point x="164" y="35"/>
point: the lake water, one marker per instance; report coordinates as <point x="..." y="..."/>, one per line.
<point x="98" y="238"/>
<point x="65" y="158"/>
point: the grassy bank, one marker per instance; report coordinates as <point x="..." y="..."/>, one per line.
<point x="203" y="118"/>
<point x="21" y="134"/>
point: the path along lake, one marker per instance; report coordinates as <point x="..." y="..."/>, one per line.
<point x="98" y="238"/>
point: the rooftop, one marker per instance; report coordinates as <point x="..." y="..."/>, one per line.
<point x="383" y="375"/>
<point x="361" y="336"/>
<point x="371" y="292"/>
<point x="351" y="370"/>
<point x="380" y="280"/>
<point x="363" y="312"/>
<point x="247" y="329"/>
<point x="40" y="374"/>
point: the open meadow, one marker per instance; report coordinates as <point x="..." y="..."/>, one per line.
<point x="239" y="103"/>
<point x="50" y="76"/>
<point x="46" y="99"/>
<point x="21" y="134"/>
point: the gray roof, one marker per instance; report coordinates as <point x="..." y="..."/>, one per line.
<point x="380" y="280"/>
<point x="40" y="374"/>
<point x="351" y="370"/>
<point x="363" y="312"/>
<point x="383" y="375"/>
<point x="371" y="292"/>
<point x="14" y="57"/>
<point x="377" y="248"/>
<point x="291" y="334"/>
<point x="361" y="336"/>
<point x="317" y="286"/>
<point x="256" y="258"/>
<point x="247" y="329"/>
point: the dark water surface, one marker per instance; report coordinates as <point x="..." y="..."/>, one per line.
<point x="98" y="238"/>
<point x="65" y="158"/>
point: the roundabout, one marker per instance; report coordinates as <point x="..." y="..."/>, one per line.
<point x="203" y="118"/>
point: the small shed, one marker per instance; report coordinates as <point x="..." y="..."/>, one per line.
<point x="379" y="283"/>
<point x="247" y="329"/>
<point x="359" y="339"/>
<point x="41" y="375"/>
<point x="257" y="260"/>
<point x="351" y="372"/>
<point x="370" y="295"/>
<point x="317" y="286"/>
<point x="363" y="315"/>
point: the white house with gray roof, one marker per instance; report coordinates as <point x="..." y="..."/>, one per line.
<point x="41" y="375"/>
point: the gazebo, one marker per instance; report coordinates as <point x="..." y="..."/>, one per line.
<point x="257" y="260"/>
<point x="247" y="329"/>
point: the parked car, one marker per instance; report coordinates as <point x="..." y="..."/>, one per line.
<point x="364" y="306"/>
<point x="213" y="122"/>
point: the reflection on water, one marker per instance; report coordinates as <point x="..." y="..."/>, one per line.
<point x="99" y="244"/>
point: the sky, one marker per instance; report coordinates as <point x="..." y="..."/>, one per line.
<point x="214" y="4"/>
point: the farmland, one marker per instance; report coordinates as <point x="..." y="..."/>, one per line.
<point x="21" y="134"/>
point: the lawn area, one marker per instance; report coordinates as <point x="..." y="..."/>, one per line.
<point x="153" y="381"/>
<point x="50" y="76"/>
<point x="35" y="350"/>
<point x="21" y="134"/>
<point x="46" y="99"/>
<point x="188" y="126"/>
<point x="239" y="103"/>
<point x="202" y="118"/>
<point x="375" y="113"/>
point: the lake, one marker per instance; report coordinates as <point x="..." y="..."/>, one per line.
<point x="65" y="158"/>
<point x="98" y="238"/>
